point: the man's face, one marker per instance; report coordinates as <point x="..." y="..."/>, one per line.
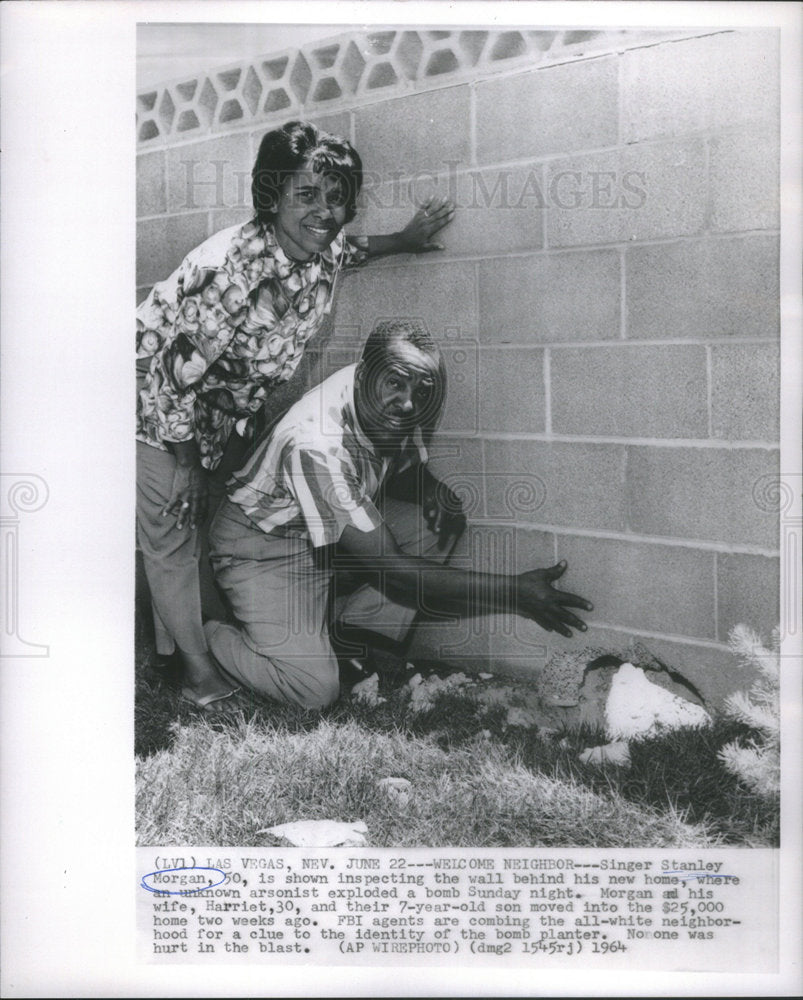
<point x="398" y="395"/>
<point x="310" y="213"/>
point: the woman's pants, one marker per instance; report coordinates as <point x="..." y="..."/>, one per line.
<point x="175" y="563"/>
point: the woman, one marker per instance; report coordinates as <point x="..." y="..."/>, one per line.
<point x="224" y="331"/>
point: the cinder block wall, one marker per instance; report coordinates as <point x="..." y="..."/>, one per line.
<point x="608" y="299"/>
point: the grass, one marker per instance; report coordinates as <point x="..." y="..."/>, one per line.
<point x="476" y="781"/>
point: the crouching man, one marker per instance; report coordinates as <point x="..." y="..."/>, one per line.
<point x="331" y="486"/>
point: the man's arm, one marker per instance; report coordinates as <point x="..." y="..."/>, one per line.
<point x="442" y="508"/>
<point x="428" y="586"/>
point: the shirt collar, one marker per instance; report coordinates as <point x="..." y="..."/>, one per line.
<point x="350" y="412"/>
<point x="273" y="245"/>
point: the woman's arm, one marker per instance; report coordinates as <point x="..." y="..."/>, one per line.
<point x="416" y="237"/>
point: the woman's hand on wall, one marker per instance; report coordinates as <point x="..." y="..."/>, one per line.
<point x="416" y="237"/>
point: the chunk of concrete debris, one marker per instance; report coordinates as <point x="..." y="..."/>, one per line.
<point x="367" y="691"/>
<point x="321" y="833"/>
<point x="560" y="680"/>
<point x="518" y="715"/>
<point x="398" y="790"/>
<point x="637" y="708"/>
<point x="424" y="692"/>
<point x="611" y="753"/>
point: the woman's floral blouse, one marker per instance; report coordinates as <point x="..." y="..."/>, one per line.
<point x="232" y="321"/>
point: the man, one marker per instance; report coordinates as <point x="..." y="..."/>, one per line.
<point x="308" y="501"/>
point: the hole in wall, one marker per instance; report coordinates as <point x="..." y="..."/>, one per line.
<point x="187" y="120"/>
<point x="381" y="75"/>
<point x="252" y="90"/>
<point x="167" y="112"/>
<point x="148" y="130"/>
<point x="274" y="68"/>
<point x="186" y="91"/>
<point x="327" y="89"/>
<point x="147" y="102"/>
<point x="443" y="61"/>
<point x="229" y="79"/>
<point x="231" y="111"/>
<point x="276" y="100"/>
<point x="380" y="43"/>
<point x="300" y="78"/>
<point x="508" y="45"/>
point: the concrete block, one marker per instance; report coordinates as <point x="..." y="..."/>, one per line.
<point x="701" y="493"/>
<point x="507" y="549"/>
<point x="556" y="483"/>
<point x="461" y="643"/>
<point x="465" y="388"/>
<point x="162" y="244"/>
<point x="335" y="124"/>
<point x="211" y="174"/>
<point x="649" y="191"/>
<point x="441" y="294"/>
<point x="745" y="391"/>
<point x="748" y="592"/>
<point x="716" y="81"/>
<point x="654" y="588"/>
<point x="151" y="184"/>
<point x="519" y="648"/>
<point x="497" y="210"/>
<point x="630" y="391"/>
<point x="550" y="298"/>
<point x="703" y="288"/>
<point x="231" y="217"/>
<point x="512" y="396"/>
<point x="744" y="181"/>
<point x="556" y="109"/>
<point x="421" y="133"/>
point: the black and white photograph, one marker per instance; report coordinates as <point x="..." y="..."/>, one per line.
<point x="528" y="545"/>
<point x="451" y="608"/>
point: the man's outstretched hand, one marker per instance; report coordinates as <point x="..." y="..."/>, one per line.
<point x="536" y="598"/>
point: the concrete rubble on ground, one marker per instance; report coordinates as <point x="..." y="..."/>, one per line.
<point x="633" y="708"/>
<point x="424" y="692"/>
<point x="368" y="691"/>
<point x="611" y="753"/>
<point x="637" y="708"/>
<point x="581" y="688"/>
<point x="398" y="790"/>
<point x="321" y="833"/>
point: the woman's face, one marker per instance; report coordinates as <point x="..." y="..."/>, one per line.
<point x="311" y="212"/>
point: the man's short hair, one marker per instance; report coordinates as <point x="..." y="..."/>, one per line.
<point x="413" y="331"/>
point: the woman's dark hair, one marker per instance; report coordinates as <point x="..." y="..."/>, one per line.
<point x="285" y="149"/>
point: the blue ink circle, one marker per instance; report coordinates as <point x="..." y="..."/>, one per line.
<point x="183" y="892"/>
